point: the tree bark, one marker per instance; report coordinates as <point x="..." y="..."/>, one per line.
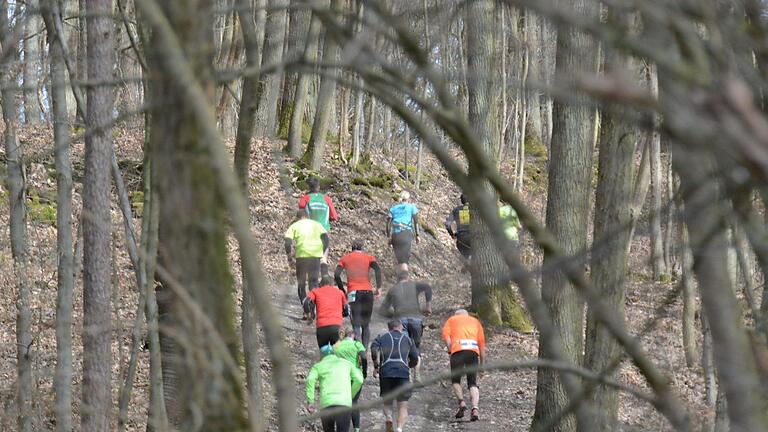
<point x="657" y="244"/>
<point x="733" y="359"/>
<point x="689" y="299"/>
<point x="97" y="355"/>
<point x="242" y="160"/>
<point x="65" y="271"/>
<point x="296" y="128"/>
<point x="325" y="97"/>
<point x="567" y="213"/>
<point x="612" y="231"/>
<point x="32" y="64"/>
<point x="246" y="118"/>
<point x="492" y="296"/>
<point x="201" y="341"/>
<point x="274" y="37"/>
<point x="298" y="28"/>
<point x="16" y="180"/>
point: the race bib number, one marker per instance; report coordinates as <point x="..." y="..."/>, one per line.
<point x="464" y="216"/>
<point x="351" y="297"/>
<point x="467" y="344"/>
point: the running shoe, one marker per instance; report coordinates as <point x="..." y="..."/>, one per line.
<point x="390" y="426"/>
<point x="474" y="415"/>
<point x="460" y="412"/>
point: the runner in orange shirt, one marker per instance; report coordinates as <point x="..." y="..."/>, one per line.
<point x="465" y="340"/>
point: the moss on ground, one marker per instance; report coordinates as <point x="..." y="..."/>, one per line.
<point x="427" y="228"/>
<point x="503" y="309"/>
<point x="137" y="202"/>
<point x="535" y="147"/>
<point x="302" y="174"/>
<point x="41" y="211"/>
<point x="381" y="181"/>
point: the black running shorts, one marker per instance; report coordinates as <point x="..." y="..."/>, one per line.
<point x="464" y="245"/>
<point x="389" y="385"/>
<point x="461" y="360"/>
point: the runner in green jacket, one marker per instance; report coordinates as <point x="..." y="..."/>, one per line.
<point x="339" y="380"/>
<point x="510" y="220"/>
<point x="354" y="351"/>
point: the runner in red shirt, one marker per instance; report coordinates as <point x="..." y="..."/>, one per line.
<point x="331" y="306"/>
<point x="360" y="294"/>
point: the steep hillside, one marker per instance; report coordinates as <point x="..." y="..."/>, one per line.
<point x="362" y="199"/>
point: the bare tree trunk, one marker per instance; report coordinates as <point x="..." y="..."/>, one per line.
<point x="613" y="201"/>
<point x="657" y="243"/>
<point x="670" y="212"/>
<point x="732" y="355"/>
<point x="32" y="63"/>
<point x="523" y="124"/>
<point x="568" y="194"/>
<point x="741" y="247"/>
<point x="325" y="98"/>
<point x="65" y="271"/>
<point x="97" y="356"/>
<point x="298" y="27"/>
<point x="266" y="113"/>
<point x="642" y="180"/>
<point x="708" y="363"/>
<point x="492" y="296"/>
<point x="533" y="37"/>
<point x="157" y="415"/>
<point x="18" y="233"/>
<point x="82" y="55"/>
<point x="721" y="414"/>
<point x="296" y="127"/>
<point x="372" y="131"/>
<point x="201" y="341"/>
<point x="246" y="118"/>
<point x="689" y="299"/>
<point x="388" y="136"/>
<point x="356" y="134"/>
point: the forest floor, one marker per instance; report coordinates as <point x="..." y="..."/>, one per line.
<point x="508" y="398"/>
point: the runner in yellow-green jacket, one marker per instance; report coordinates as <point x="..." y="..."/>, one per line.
<point x="353" y="351"/>
<point x="510" y="220"/>
<point x="339" y="380"/>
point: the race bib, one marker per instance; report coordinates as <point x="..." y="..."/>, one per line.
<point x="351" y="297"/>
<point x="464" y="216"/>
<point x="467" y="344"/>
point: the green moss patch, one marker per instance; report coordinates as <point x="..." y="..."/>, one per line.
<point x="534" y="147"/>
<point x="382" y="181"/>
<point x="137" y="202"/>
<point x="427" y="228"/>
<point x="41" y="211"/>
<point x="302" y="174"/>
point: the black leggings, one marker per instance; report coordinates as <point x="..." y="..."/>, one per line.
<point x="307" y="271"/>
<point x="360" y="311"/>
<point x="337" y="422"/>
<point x="356" y="413"/>
<point x="327" y="335"/>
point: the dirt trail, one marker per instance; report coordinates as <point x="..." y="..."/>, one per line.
<point x="430" y="409"/>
